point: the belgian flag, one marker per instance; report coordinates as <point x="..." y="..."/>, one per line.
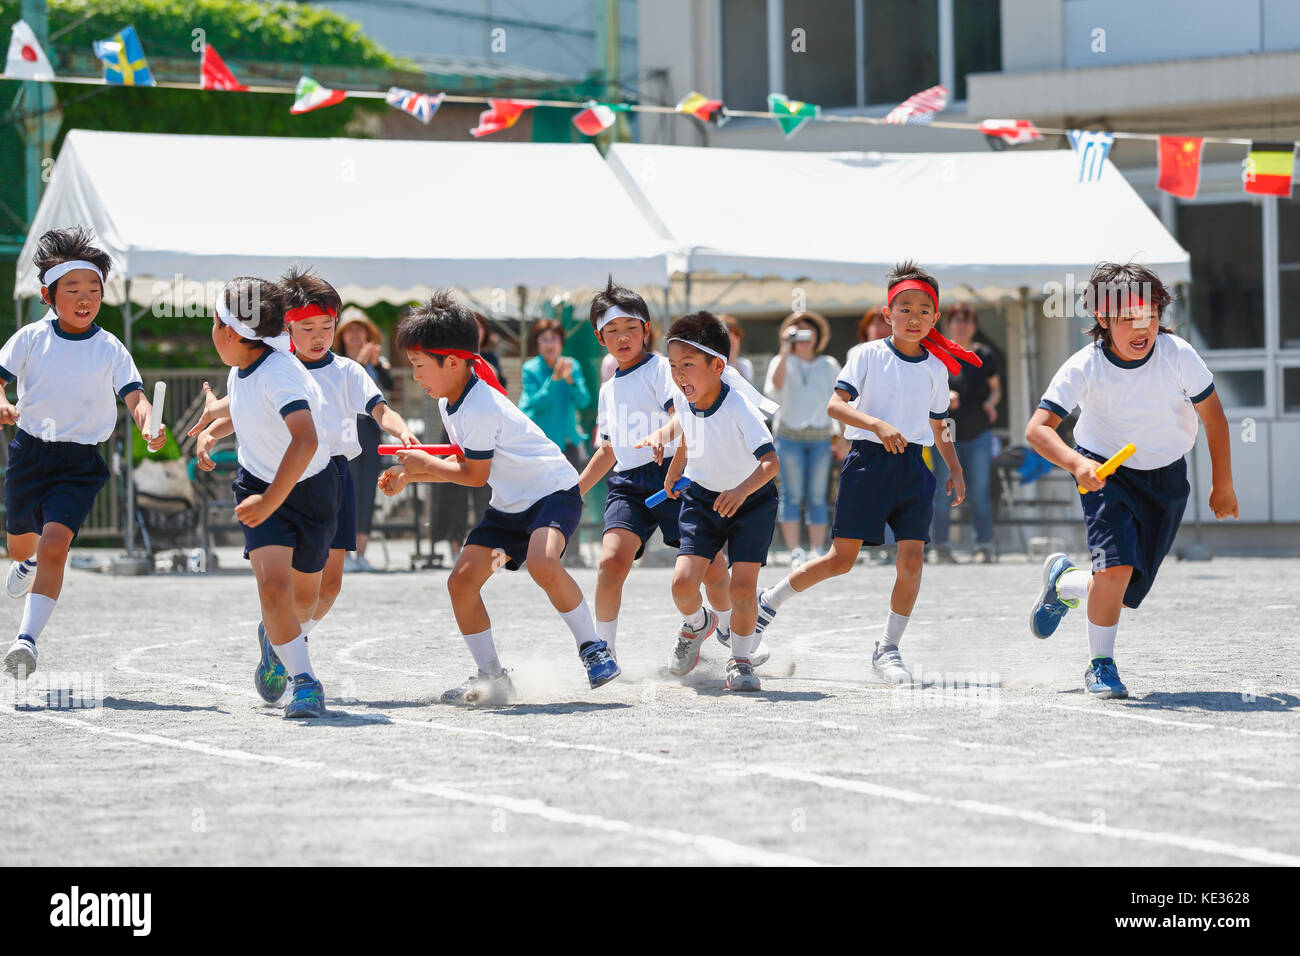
<point x="1269" y="167"/>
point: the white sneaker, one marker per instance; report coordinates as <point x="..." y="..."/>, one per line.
<point x="21" y="659"/>
<point x="350" y="564"/>
<point x="797" y="557"/>
<point x="888" y="665"/>
<point x="364" y="565"/>
<point x="482" y="689"/>
<point x="21" y="575"/>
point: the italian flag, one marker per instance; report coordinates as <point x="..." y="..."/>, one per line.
<point x="1268" y="169"/>
<point x="310" y="95"/>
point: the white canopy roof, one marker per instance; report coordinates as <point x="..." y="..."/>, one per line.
<point x="383" y="220"/>
<point x="992" y="222"/>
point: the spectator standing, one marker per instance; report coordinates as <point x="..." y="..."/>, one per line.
<point x="555" y="391"/>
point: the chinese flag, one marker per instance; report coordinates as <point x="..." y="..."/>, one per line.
<point x="1180" y="165"/>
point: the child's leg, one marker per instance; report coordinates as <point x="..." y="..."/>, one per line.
<point x="465" y="585"/>
<point x="744" y="605"/>
<point x="1105" y="600"/>
<point x="545" y="550"/>
<point x="23" y="546"/>
<point x="839" y="559"/>
<point x="907" y="584"/>
<point x="618" y="547"/>
<point x="331" y="583"/>
<point x="688" y="574"/>
<point x="717" y="588"/>
<point x="306" y="595"/>
<point x="276" y="587"/>
<point x="51" y="556"/>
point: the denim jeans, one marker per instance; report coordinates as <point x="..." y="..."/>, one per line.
<point x="805" y="478"/>
<point x="976" y="459"/>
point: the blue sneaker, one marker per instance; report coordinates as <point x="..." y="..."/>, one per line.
<point x="765" y="614"/>
<point x="269" y="677"/>
<point x="1050" y="607"/>
<point x="1101" y="679"/>
<point x="308" y="698"/>
<point x="600" y="664"/>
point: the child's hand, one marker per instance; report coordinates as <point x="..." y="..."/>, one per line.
<point x="393" y="480"/>
<point x="669" y="490"/>
<point x="210" y="411"/>
<point x="1223" y="501"/>
<point x="656" y="443"/>
<point x="408" y="437"/>
<point x="417" y="462"/>
<point x="729" y="502"/>
<point x="956" y="487"/>
<point x="203" y="449"/>
<point x="891" y="438"/>
<point x="1085" y="474"/>
<point x="252" y="511"/>
<point x="157" y="441"/>
<point x="8" y="413"/>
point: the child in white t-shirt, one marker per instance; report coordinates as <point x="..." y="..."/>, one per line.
<point x="535" y="508"/>
<point x="69" y="373"/>
<point x="1136" y="384"/>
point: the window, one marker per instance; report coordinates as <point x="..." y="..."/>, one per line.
<point x="1291" y="391"/>
<point x="1240" y="388"/>
<point x="902" y="48"/>
<point x="1226" y="299"/>
<point x="978" y="40"/>
<point x="826" y="74"/>
<point x="1288" y="257"/>
<point x="744" y="54"/>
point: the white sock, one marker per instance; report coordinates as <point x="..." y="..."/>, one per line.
<point x="1101" y="640"/>
<point x="775" y="597"/>
<point x="742" y="646"/>
<point x="308" y="625"/>
<point x="295" y="658"/>
<point x="607" y="631"/>
<point x="580" y="622"/>
<point x="1073" y="585"/>
<point x="724" y="619"/>
<point x="484" y="651"/>
<point x="894" y="626"/>
<point x="36" y="612"/>
<point x="696" y="620"/>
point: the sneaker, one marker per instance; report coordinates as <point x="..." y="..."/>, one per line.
<point x="687" y="652"/>
<point x="482" y="689"/>
<point x="741" y="676"/>
<point x="888" y="664"/>
<point x="984" y="555"/>
<point x="308" y="698"/>
<point x="798" y="557"/>
<point x="758" y="658"/>
<point x="269" y="676"/>
<point x="21" y="659"/>
<point x="350" y="564"/>
<point x="1050" y="607"/>
<point x="1101" y="679"/>
<point x="364" y="565"/>
<point x="942" y="554"/>
<point x="765" y="613"/>
<point x="600" y="664"/>
<point x="20" y="578"/>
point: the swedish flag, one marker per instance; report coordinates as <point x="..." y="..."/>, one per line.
<point x="123" y="58"/>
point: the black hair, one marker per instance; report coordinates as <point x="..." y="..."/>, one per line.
<point x="66" y="245"/>
<point x="706" y="329"/>
<point x="910" y="270"/>
<point x="302" y="286"/>
<point x="1112" y="285"/>
<point x="440" y="323"/>
<point x="258" y="303"/>
<point x="616" y="295"/>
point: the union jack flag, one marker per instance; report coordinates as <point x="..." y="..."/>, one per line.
<point x="420" y="105"/>
<point x="919" y="107"/>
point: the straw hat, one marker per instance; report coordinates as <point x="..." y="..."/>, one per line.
<point x="352" y="314"/>
<point x="817" y="319"/>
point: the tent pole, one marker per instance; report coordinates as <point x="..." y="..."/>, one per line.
<point x="686" y="303"/>
<point x="128" y="517"/>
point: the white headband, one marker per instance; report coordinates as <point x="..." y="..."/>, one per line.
<point x="55" y="273"/>
<point x="614" y="312"/>
<point x="280" y="342"/>
<point x="735" y="380"/>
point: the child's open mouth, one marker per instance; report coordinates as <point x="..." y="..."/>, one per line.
<point x="688" y="390"/>
<point x="1139" y="345"/>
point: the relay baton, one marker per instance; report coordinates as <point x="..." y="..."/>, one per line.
<point x="1112" y="464"/>
<point x="429" y="449"/>
<point x="155" y="419"/>
<point x="659" y="497"/>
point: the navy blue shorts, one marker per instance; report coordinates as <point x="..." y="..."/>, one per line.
<point x="50" y="481"/>
<point x="305" y="522"/>
<point x="626" y="508"/>
<point x="1134" y="519"/>
<point x="511" y="531"/>
<point x="878" y="488"/>
<point x="747" y="534"/>
<point x="345" y="533"/>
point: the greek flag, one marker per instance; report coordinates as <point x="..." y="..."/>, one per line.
<point x="1092" y="148"/>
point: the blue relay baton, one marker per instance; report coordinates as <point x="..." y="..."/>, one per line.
<point x="659" y="497"/>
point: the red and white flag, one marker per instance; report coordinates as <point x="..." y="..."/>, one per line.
<point x="500" y="114"/>
<point x="1011" y="131"/>
<point x="594" y="120"/>
<point x="213" y="72"/>
<point x="26" y="59"/>
<point x="919" y="107"/>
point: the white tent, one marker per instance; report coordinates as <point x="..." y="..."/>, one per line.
<point x="384" y="220"/>
<point x="991" y="222"/>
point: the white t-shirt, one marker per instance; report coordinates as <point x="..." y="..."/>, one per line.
<point x="724" y="441"/>
<point x="274" y="386"/>
<point x="347" y="391"/>
<point x="807" y="389"/>
<point x="526" y="465"/>
<point x="1147" y="402"/>
<point x="901" y="390"/>
<point x="66" y="383"/>
<point x="633" y="404"/>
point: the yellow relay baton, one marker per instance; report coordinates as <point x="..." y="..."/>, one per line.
<point x="1112" y="464"/>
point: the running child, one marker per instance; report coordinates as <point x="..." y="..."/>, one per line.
<point x="286" y="489"/>
<point x="1136" y="383"/>
<point x="633" y="404"/>
<point x="535" y="507"/>
<point x="70" y="373"/>
<point x="892" y="397"/>
<point x="728" y="455"/>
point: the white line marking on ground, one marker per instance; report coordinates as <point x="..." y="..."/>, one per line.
<point x="1125" y="713"/>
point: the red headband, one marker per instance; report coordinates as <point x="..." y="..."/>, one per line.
<point x="309" y="311"/>
<point x="916" y="284"/>
<point x="481" y="368"/>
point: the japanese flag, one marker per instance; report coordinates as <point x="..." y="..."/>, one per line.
<point x="26" y="59"/>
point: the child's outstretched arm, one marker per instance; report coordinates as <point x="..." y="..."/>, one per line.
<point x="670" y="431"/>
<point x="255" y="509"/>
<point x="839" y="409"/>
<point x="729" y="502"/>
<point x="956" y="477"/>
<point x="386" y="417"/>
<point x="596" y="469"/>
<point x="213" y="408"/>
<point x="417" y="465"/>
<point x="1223" y="498"/>
<point x="141" y="409"/>
<point x="1042" y="437"/>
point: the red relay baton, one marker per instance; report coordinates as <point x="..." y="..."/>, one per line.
<point x="430" y="449"/>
